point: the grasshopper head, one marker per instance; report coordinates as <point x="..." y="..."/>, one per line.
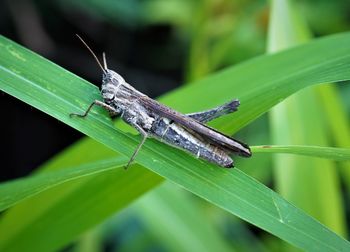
<point x="110" y="77"/>
<point x="111" y="82"/>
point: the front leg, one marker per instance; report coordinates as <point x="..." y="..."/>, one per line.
<point x="144" y="137"/>
<point x="112" y="111"/>
<point x="211" y="114"/>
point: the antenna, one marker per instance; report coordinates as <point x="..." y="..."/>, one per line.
<point x="104" y="60"/>
<point x="93" y="54"/>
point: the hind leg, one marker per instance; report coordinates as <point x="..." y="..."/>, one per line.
<point x="211" y="114"/>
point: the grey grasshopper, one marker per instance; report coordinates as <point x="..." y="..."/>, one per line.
<point x="153" y="119"/>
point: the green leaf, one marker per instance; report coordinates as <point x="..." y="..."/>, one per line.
<point x="300" y="121"/>
<point x="17" y="190"/>
<point x="13" y="191"/>
<point x="338" y="154"/>
<point x="181" y="217"/>
<point x="72" y="208"/>
<point x="258" y="85"/>
<point x="338" y="123"/>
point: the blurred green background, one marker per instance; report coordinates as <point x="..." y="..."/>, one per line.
<point x="159" y="45"/>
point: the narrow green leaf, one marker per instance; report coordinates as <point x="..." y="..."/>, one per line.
<point x="59" y="93"/>
<point x="299" y="121"/>
<point x="90" y="241"/>
<point x="337" y="120"/>
<point x="186" y="225"/>
<point x="338" y="154"/>
<point x="16" y="190"/>
<point x="77" y="205"/>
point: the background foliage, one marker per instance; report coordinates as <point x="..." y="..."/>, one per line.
<point x="157" y="44"/>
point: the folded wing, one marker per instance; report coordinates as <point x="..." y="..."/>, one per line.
<point x="205" y="131"/>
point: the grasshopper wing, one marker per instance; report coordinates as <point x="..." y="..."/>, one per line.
<point x="203" y="130"/>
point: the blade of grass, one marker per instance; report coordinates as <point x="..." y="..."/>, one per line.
<point x="77" y="205"/>
<point x="297" y="121"/>
<point x="338" y="154"/>
<point x="244" y="197"/>
<point x="184" y="222"/>
<point x="90" y="241"/>
<point x="338" y="123"/>
<point x="33" y="185"/>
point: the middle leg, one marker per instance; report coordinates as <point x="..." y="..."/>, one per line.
<point x="144" y="137"/>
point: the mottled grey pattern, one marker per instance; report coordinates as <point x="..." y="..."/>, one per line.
<point x="186" y="132"/>
<point x="152" y="119"/>
<point x="209" y="134"/>
<point x="177" y="136"/>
